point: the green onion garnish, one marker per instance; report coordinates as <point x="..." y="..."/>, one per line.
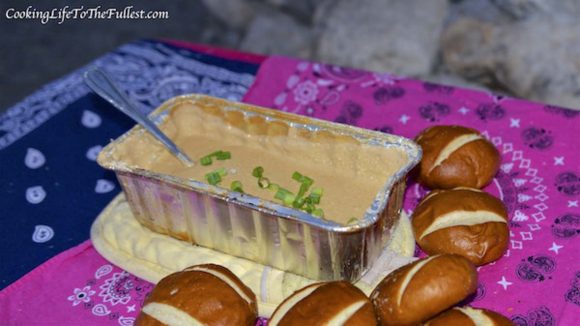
<point x="220" y="155"/>
<point x="237" y="186"/>
<point x="299" y="202"/>
<point x="206" y="160"/>
<point x="285" y="196"/>
<point x="258" y="172"/>
<point x="303" y="189"/>
<point x="315" y="195"/>
<point x="302" y="178"/>
<point x="305" y="183"/>
<point x="222" y="171"/>
<point x="263" y="183"/>
<point x="289" y="200"/>
<point x="215" y="177"/>
<point x="318" y="213"/>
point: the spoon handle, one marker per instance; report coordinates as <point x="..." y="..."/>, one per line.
<point x="99" y="82"/>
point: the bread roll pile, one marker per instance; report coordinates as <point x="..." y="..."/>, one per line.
<point x="456" y="217"/>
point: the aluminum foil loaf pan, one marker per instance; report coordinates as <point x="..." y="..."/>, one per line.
<point x="259" y="229"/>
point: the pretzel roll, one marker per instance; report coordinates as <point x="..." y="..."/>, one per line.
<point x="330" y="303"/>
<point x="467" y="316"/>
<point x="416" y="292"/>
<point x="463" y="221"/>
<point x="455" y="156"/>
<point x="200" y="295"/>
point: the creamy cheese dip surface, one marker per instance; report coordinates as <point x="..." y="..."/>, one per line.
<point x="349" y="172"/>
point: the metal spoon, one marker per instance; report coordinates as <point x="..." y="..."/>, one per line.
<point x="104" y="86"/>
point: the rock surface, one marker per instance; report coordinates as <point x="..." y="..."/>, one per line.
<point x="523" y="9"/>
<point x="536" y="58"/>
<point x="235" y="14"/>
<point x="301" y="9"/>
<point x="382" y="35"/>
<point x="278" y="33"/>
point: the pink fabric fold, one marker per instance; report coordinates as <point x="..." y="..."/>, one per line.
<point x="77" y="287"/>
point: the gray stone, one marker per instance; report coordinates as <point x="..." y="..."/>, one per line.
<point x="397" y="36"/>
<point x="233" y="13"/>
<point x="536" y="58"/>
<point x="523" y="9"/>
<point x="301" y="9"/>
<point x="273" y="32"/>
<point x="483" y="10"/>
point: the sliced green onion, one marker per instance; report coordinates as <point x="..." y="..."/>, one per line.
<point x="263" y="183"/>
<point x="315" y="195"/>
<point x="237" y="186"/>
<point x="258" y="172"/>
<point x="221" y="171"/>
<point x="298" y="202"/>
<point x="206" y="160"/>
<point x="213" y="178"/>
<point x="285" y="196"/>
<point x="303" y="189"/>
<point x="221" y="155"/>
<point x="302" y="178"/>
<point x="296" y="176"/>
<point x="273" y="187"/>
<point x="318" y="212"/>
<point x="289" y="200"/>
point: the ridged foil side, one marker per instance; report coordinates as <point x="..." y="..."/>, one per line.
<point x="258" y="235"/>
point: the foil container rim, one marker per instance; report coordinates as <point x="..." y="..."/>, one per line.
<point x="412" y="150"/>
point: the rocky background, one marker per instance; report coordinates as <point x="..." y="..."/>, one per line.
<point x="523" y="48"/>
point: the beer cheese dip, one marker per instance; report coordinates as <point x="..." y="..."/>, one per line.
<point x="349" y="172"/>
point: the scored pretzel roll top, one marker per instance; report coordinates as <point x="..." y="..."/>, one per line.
<point x="200" y="295"/>
<point x="329" y="303"/>
<point x="463" y="221"/>
<point x="418" y="291"/>
<point x="467" y="316"/>
<point x="456" y="156"/>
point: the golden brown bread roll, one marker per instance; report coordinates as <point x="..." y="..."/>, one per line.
<point x="418" y="291"/>
<point x="455" y="156"/>
<point x="202" y="294"/>
<point x="467" y="316"/>
<point x="329" y="303"/>
<point x="463" y="221"/>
